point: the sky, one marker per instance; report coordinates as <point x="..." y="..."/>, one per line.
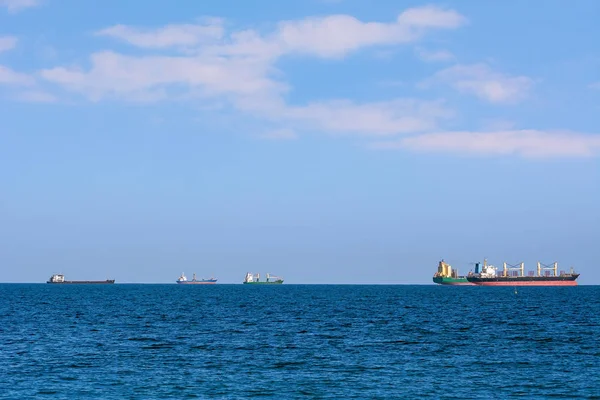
<point x="325" y="141"/>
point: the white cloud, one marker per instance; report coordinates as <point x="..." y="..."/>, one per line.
<point x="244" y="82"/>
<point x="168" y="36"/>
<point x="128" y="77"/>
<point x="7" y="43"/>
<point x="10" y="77"/>
<point x="279" y="134"/>
<point x="481" y="81"/>
<point x="18" y="5"/>
<point x="431" y="17"/>
<point x="526" y="143"/>
<point x="432" y="56"/>
<point x="240" y="64"/>
<point x="240" y="68"/>
<point x="331" y="36"/>
<point x="337" y="35"/>
<point x="595" y="85"/>
<point x="370" y="119"/>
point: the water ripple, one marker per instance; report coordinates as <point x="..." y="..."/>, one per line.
<point x="293" y="341"/>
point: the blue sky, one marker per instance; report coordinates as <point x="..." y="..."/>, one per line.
<point x="325" y="141"/>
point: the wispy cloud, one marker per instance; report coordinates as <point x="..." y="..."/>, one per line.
<point x="209" y="65"/>
<point x="370" y="119"/>
<point x="7" y="43"/>
<point x="126" y="77"/>
<point x="431" y="17"/>
<point x="525" y="143"/>
<point x="167" y="36"/>
<point x="244" y="59"/>
<point x="24" y="82"/>
<point x="10" y="77"/>
<point x="595" y="85"/>
<point x="337" y="35"/>
<point x="435" y="55"/>
<point x="330" y="36"/>
<point x="18" y="5"/>
<point x="240" y="68"/>
<point x="480" y="80"/>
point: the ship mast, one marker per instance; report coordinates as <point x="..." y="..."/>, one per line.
<point x="518" y="267"/>
<point x="553" y="268"/>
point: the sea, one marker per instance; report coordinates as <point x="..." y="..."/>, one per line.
<point x="134" y="341"/>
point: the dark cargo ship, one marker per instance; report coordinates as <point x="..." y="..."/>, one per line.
<point x="60" y="279"/>
<point x="515" y="276"/>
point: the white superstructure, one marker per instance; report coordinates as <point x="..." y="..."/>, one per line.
<point x="57" y="278"/>
<point x="488" y="271"/>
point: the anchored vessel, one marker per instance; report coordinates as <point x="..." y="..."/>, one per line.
<point x="255" y="279"/>
<point x="446" y="275"/>
<point x="182" y="280"/>
<point x="514" y="275"/>
<point x="60" y="278"/>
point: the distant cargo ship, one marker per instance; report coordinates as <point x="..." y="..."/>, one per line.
<point x="182" y="280"/>
<point x="255" y="279"/>
<point x="446" y="275"/>
<point x="514" y="275"/>
<point x="60" y="279"/>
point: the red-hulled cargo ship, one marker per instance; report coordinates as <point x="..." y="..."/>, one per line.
<point x="514" y="275"/>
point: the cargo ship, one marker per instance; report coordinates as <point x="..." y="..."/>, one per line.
<point x="60" y="279"/>
<point x="255" y="279"/>
<point x="446" y="275"/>
<point x="182" y="280"/>
<point x="514" y="275"/>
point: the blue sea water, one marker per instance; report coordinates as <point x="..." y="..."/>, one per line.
<point x="298" y="341"/>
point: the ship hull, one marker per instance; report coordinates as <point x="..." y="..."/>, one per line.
<point x="211" y="282"/>
<point x="107" y="282"/>
<point x="263" y="283"/>
<point x="525" y="281"/>
<point x="460" y="281"/>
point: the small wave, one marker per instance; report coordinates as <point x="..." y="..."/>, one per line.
<point x="285" y="364"/>
<point x="158" y="346"/>
<point x="326" y="336"/>
<point x="405" y="342"/>
<point x="142" y="339"/>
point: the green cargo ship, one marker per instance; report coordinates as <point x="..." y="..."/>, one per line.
<point x="446" y="275"/>
<point x="255" y="279"/>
